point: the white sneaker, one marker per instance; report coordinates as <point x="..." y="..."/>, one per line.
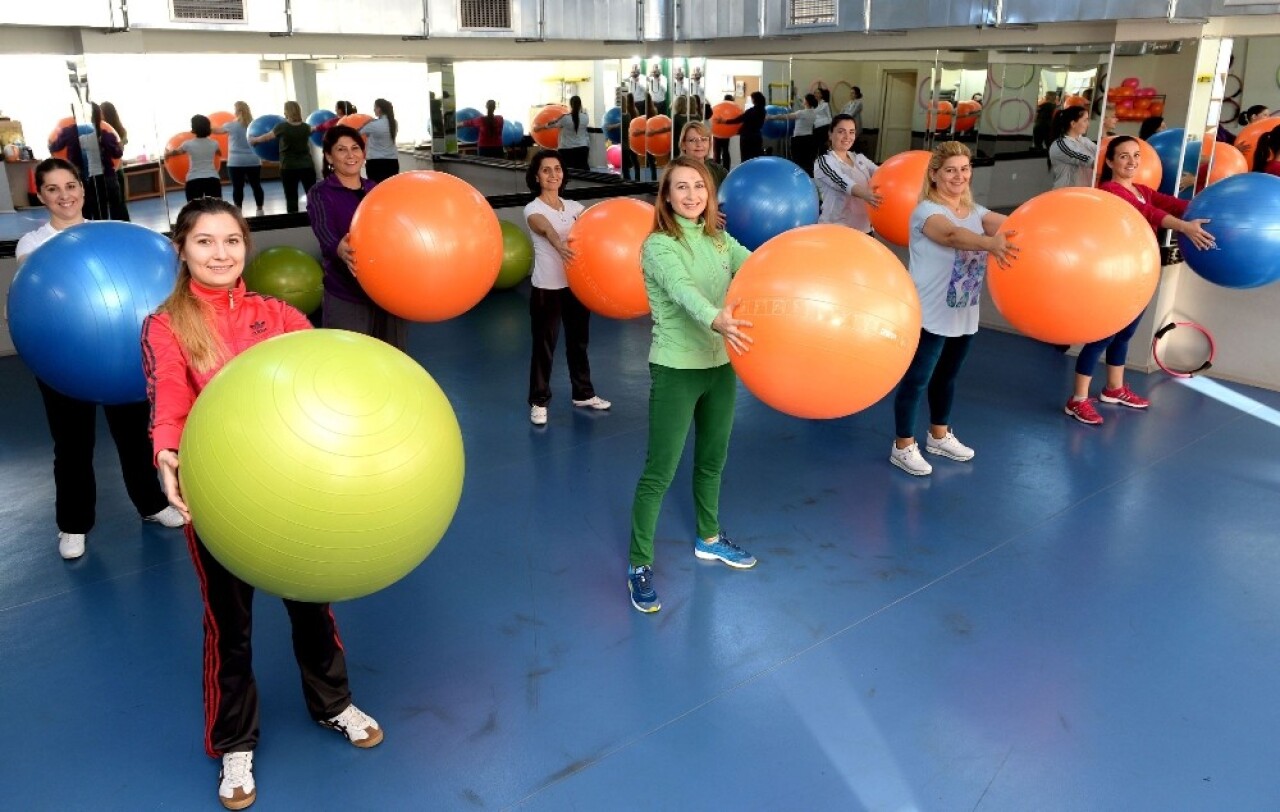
<point x="538" y="415"/>
<point x="909" y="460"/>
<point x="358" y="726"/>
<point x="948" y="447"/>
<point x="593" y="402"/>
<point x="169" y="517"/>
<point x="70" y="545"/>
<point x="236" y="789"/>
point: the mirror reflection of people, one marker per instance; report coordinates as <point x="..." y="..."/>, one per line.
<point x="1042" y="130"/>
<point x="637" y="86"/>
<point x="1122" y="160"/>
<point x="656" y="88"/>
<point x="803" y="141"/>
<point x="1266" y="152"/>
<point x="72" y="422"/>
<point x="750" y="138"/>
<point x="112" y="116"/>
<point x="843" y="178"/>
<point x="551" y="302"/>
<point x="951" y="238"/>
<point x="1072" y="154"/>
<point x="575" y="142"/>
<point x="1150" y="126"/>
<point x="207" y="319"/>
<point x="697" y="87"/>
<point x="1110" y="120"/>
<point x="688" y="262"/>
<point x="382" y="161"/>
<point x="630" y="161"/>
<point x="296" y="167"/>
<point x="202" y="155"/>
<point x="822" y="118"/>
<point x="489" y="125"/>
<point x="720" y="146"/>
<point x="695" y="144"/>
<point x="93" y="155"/>
<point x="243" y="164"/>
<point x="854" y="108"/>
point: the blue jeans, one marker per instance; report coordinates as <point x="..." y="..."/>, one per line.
<point x="1117" y="347"/>
<point x="935" y="366"/>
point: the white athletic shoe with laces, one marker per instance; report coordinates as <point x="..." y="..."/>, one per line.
<point x="358" y="726"/>
<point x="948" y="447"/>
<point x="594" y="402"/>
<point x="236" y="789"/>
<point x="909" y="460"/>
<point x="169" y="517"/>
<point x="538" y="415"/>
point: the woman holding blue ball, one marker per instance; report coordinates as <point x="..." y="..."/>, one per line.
<point x="1160" y="211"/>
<point x="296" y="166"/>
<point x="208" y="319"/>
<point x="71" y="420"/>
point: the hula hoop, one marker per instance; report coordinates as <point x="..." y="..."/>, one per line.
<point x="999" y="118"/>
<point x="1031" y="74"/>
<point x="1155" y="348"/>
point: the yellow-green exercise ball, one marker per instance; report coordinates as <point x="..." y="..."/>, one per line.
<point x="287" y="273"/>
<point x="321" y="465"/>
<point x="517" y="256"/>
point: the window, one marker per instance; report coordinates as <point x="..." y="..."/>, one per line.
<point x="209" y="10"/>
<point x="813" y="12"/>
<point x="486" y="14"/>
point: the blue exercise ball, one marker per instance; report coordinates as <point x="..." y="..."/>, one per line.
<point x="467" y="135"/>
<point x="1167" y="144"/>
<point x="317" y="118"/>
<point x="512" y="133"/>
<point x="778" y="128"/>
<point x="1241" y="211"/>
<point x="267" y="150"/>
<point x="612" y="125"/>
<point x="764" y="197"/>
<point x="77" y="303"/>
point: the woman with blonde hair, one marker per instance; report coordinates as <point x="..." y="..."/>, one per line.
<point x="296" y="166"/>
<point x="687" y="263"/>
<point x="243" y="164"/>
<point x="950" y="239"/>
<point x="695" y="143"/>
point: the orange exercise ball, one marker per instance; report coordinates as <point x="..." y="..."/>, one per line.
<point x="725" y="109"/>
<point x="657" y="135"/>
<point x="178" y="165"/>
<point x="355" y="120"/>
<point x="427" y="245"/>
<point x="1150" y="171"/>
<point x="636" y="134"/>
<point x="1227" y="161"/>
<point x="605" y="271"/>
<point x="835" y="320"/>
<point x="548" y="139"/>
<point x="1087" y="265"/>
<point x="941" y="115"/>
<point x="1248" y="137"/>
<point x="898" y="181"/>
<point x="216" y="120"/>
<point x="1075" y="101"/>
<point x="967" y="115"/>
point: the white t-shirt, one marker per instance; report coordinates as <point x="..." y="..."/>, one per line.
<point x="379" y="146"/>
<point x="548" y="265"/>
<point x="822" y="115"/>
<point x="92" y="152"/>
<point x="570" y="139"/>
<point x="835" y="180"/>
<point x="34" y="239"/>
<point x="804" y="119"/>
<point x="948" y="280"/>
<point x="637" y="86"/>
<point x="201" y="152"/>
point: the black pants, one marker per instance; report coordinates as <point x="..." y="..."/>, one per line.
<point x="491" y="152"/>
<point x="934" y="367"/>
<point x="366" y="318"/>
<point x="73" y="426"/>
<point x="630" y="165"/>
<point x="821" y="139"/>
<point x="230" y="691"/>
<point x="802" y="152"/>
<point x="720" y="154"/>
<point x="239" y="176"/>
<point x="750" y="146"/>
<point x="203" y="187"/>
<point x="290" y="179"/>
<point x="379" y="169"/>
<point x="577" y="158"/>
<point x="547" y="308"/>
<point x="102" y="199"/>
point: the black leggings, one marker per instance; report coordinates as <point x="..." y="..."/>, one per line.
<point x="241" y="174"/>
<point x="203" y="187"/>
<point x="936" y="364"/>
<point x="290" y="179"/>
<point x="379" y="169"/>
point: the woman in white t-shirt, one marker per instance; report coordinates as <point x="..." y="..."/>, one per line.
<point x="202" y="152"/>
<point x="72" y="421"/>
<point x="381" y="160"/>
<point x="951" y="236"/>
<point x="843" y="178"/>
<point x="803" y="147"/>
<point x="575" y="141"/>
<point x="550" y="302"/>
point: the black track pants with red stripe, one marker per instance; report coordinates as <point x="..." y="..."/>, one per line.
<point x="230" y="692"/>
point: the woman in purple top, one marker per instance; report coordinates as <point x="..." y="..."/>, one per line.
<point x="331" y="205"/>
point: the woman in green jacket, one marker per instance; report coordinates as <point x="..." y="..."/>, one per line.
<point x="688" y="261"/>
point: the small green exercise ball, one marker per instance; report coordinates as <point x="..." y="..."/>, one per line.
<point x="517" y="256"/>
<point x="287" y="273"/>
<point x="321" y="465"/>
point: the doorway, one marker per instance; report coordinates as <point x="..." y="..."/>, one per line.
<point x="897" y="108"/>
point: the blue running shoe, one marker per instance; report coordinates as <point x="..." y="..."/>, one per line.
<point x="640" y="582"/>
<point x="722" y="549"/>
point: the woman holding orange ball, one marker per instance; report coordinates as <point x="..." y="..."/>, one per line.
<point x="1161" y="211"/>
<point x="951" y="236"/>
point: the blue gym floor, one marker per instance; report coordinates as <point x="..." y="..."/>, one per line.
<point x="1083" y="618"/>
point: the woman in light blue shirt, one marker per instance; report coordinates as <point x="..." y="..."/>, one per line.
<point x="381" y="159"/>
<point x="243" y="164"/>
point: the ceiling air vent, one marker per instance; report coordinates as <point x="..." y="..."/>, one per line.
<point x="486" y="14"/>
<point x="211" y="11"/>
<point x="813" y="12"/>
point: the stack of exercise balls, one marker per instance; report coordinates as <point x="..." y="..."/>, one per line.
<point x="517" y="256"/>
<point x="428" y="247"/>
<point x="548" y="139"/>
<point x="835" y="321"/>
<point x="1241" y="211"/>
<point x="363" y="477"/>
<point x="898" y="181"/>
<point x="77" y="304"/>
<point x="267" y="150"/>
<point x="287" y="273"/>
<point x="1087" y="265"/>
<point x="605" y="273"/>
<point x="763" y="197"/>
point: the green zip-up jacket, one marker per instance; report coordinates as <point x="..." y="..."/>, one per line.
<point x="686" y="281"/>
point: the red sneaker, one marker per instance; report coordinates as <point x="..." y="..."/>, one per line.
<point x="1125" y="397"/>
<point x="1083" y="411"/>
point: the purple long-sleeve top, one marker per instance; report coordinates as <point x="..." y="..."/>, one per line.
<point x="331" y="207"/>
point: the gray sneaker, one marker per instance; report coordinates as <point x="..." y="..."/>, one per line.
<point x="909" y="460"/>
<point x="948" y="447"/>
